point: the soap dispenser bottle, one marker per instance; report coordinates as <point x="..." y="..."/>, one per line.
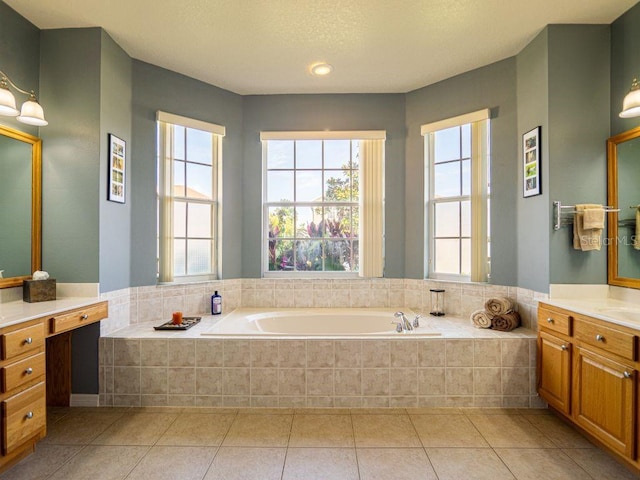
<point x="216" y="304"/>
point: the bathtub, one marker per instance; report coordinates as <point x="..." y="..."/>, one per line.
<point x="323" y="322"/>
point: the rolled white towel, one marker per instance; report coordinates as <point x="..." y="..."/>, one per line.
<point x="481" y="319"/>
<point x="498" y="306"/>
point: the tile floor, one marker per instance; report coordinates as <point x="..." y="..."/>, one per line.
<point x="228" y="444"/>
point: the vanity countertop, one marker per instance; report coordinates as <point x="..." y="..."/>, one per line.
<point x="12" y="313"/>
<point x="607" y="309"/>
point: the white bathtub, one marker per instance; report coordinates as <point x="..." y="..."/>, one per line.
<point x="303" y="322"/>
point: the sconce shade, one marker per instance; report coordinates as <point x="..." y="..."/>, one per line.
<point x="631" y="102"/>
<point x="7" y="103"/>
<point x="32" y="114"/>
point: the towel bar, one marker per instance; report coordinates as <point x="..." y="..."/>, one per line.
<point x="557" y="205"/>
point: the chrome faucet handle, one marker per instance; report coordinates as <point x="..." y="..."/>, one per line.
<point x="398" y="326"/>
<point x="416" y="321"/>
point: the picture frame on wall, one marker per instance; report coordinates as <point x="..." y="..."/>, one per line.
<point x="117" y="169"/>
<point x="531" y="157"/>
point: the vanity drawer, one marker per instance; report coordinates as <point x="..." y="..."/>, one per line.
<point x="555" y="320"/>
<point x="77" y="318"/>
<point x="24" y="416"/>
<point x="22" y="341"/>
<point x="19" y="373"/>
<point x="609" y="339"/>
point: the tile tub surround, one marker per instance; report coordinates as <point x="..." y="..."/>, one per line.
<point x="466" y="367"/>
<point x="137" y="305"/>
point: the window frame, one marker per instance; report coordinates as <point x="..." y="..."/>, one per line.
<point x="166" y="164"/>
<point x="478" y="197"/>
<point x="265" y="137"/>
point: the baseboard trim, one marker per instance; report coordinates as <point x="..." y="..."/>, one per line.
<point x="84" y="400"/>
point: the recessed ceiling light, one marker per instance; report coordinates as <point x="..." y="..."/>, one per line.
<point x="321" y="69"/>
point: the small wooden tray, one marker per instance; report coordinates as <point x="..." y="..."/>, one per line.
<point x="187" y="323"/>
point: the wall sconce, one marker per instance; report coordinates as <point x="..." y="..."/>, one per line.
<point x="31" y="112"/>
<point x="631" y="102"/>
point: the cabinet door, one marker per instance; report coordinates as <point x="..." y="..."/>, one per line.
<point x="554" y="372"/>
<point x="604" y="399"/>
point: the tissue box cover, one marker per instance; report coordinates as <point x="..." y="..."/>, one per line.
<point x="39" y="290"/>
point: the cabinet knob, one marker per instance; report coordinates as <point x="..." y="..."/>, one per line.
<point x="627" y="374"/>
<point x="28" y="340"/>
<point x="28" y="371"/>
<point x="563" y="347"/>
<point x="29" y="416"/>
<point x="84" y="317"/>
<point x="599" y="338"/>
<point x="549" y="320"/>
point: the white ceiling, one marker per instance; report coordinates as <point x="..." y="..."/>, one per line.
<point x="267" y="46"/>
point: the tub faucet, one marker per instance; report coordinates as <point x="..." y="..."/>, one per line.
<point x="404" y="322"/>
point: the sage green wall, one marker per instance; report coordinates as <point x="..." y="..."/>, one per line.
<point x="534" y="216"/>
<point x="324" y="112"/>
<point x="20" y="59"/>
<point x="154" y="89"/>
<point x="115" y="118"/>
<point x="625" y="65"/>
<point x="493" y="87"/>
<point x="579" y="69"/>
<point x="70" y="83"/>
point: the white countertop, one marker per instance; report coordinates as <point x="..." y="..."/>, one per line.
<point x="12" y="313"/>
<point x="608" y="309"/>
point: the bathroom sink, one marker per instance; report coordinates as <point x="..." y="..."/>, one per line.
<point x="626" y="313"/>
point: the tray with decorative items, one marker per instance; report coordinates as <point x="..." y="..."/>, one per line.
<point x="178" y="322"/>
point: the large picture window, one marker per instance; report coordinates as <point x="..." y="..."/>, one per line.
<point x="188" y="157"/>
<point x="313" y="205"/>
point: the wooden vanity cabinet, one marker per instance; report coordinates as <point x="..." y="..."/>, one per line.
<point x="554" y="358"/>
<point x="24" y="349"/>
<point x="588" y="372"/>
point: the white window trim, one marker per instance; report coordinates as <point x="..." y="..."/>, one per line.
<point x="165" y="175"/>
<point x="478" y="197"/>
<point x="368" y="268"/>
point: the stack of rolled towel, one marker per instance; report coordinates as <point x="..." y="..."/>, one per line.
<point x="498" y="314"/>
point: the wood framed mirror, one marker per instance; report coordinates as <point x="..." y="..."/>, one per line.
<point x="20" y="206"/>
<point x="623" y="194"/>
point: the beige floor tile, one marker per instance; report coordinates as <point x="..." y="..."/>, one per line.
<point x="259" y="431"/>
<point x="321" y="431"/>
<point x="322" y="411"/>
<point x="79" y="428"/>
<point x="510" y="431"/>
<point x="101" y="463"/>
<point x="447" y="431"/>
<point x="600" y="464"/>
<point x="320" y="464"/>
<point x="384" y="431"/>
<point x="172" y="463"/>
<point x="242" y="463"/>
<point x="490" y="411"/>
<point x="394" y="463"/>
<point x="468" y="464"/>
<point x="541" y="463"/>
<point x="378" y="411"/>
<point x="46" y="460"/>
<point x="136" y="429"/>
<point x="563" y="435"/>
<point x="435" y="411"/>
<point x="193" y="429"/>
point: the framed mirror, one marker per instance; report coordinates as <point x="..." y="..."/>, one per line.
<point x="623" y="229"/>
<point x="20" y="206"/>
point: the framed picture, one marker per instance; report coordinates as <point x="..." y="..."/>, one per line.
<point x="531" y="157"/>
<point x="117" y="168"/>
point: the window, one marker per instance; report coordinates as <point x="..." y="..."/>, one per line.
<point x="189" y="153"/>
<point x="457" y="199"/>
<point x="316" y="218"/>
